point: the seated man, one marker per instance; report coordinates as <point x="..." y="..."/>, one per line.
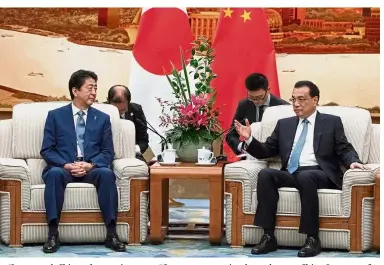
<point x="310" y="146"/>
<point x="78" y="147"/>
<point x="253" y="106"/>
<point x="120" y="97"/>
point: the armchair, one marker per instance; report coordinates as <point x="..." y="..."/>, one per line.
<point x="22" y="210"/>
<point x="346" y="216"/>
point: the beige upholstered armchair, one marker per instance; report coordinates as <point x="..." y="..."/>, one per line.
<point x="346" y="215"/>
<point x="22" y="210"/>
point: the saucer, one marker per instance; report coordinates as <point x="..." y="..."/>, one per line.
<point x="205" y="164"/>
<point x="169" y="163"/>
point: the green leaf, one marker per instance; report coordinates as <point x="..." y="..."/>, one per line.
<point x="171" y="83"/>
<point x="195" y="139"/>
<point x="176" y="74"/>
<point x="198" y="85"/>
<point x="185" y="73"/>
<point x="202" y="48"/>
<point x="194" y="63"/>
<point x="196" y="75"/>
<point x="206" y="135"/>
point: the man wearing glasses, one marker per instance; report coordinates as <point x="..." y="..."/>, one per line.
<point x="309" y="162"/>
<point x="253" y="106"/>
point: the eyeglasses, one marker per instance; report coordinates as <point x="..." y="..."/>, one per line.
<point x="258" y="98"/>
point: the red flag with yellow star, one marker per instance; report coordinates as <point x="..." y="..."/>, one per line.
<point x="243" y="45"/>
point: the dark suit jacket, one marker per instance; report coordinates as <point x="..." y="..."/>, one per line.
<point x="247" y="109"/>
<point x="135" y="114"/>
<point x="330" y="145"/>
<point x="60" y="144"/>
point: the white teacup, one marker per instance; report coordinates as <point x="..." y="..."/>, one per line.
<point x="169" y="155"/>
<point x="204" y="156"/>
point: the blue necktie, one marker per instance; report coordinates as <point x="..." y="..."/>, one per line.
<point x="80" y="130"/>
<point x="295" y="157"/>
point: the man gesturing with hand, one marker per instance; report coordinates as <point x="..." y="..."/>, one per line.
<point x="310" y="146"/>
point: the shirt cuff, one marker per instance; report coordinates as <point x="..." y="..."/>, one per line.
<point x="249" y="140"/>
<point x="137" y="150"/>
<point x="239" y="147"/>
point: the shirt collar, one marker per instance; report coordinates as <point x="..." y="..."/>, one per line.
<point x="311" y="118"/>
<point x="75" y="110"/>
<point x="267" y="100"/>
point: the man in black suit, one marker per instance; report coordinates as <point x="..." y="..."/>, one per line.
<point x="120" y="97"/>
<point x="253" y="106"/>
<point x="310" y="146"/>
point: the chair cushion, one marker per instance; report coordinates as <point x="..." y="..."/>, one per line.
<point x="289" y="202"/>
<point x="77" y="197"/>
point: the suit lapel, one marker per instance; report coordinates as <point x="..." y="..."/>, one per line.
<point x="68" y="118"/>
<point x="251" y="112"/>
<point x="91" y="120"/>
<point x="290" y="135"/>
<point x="319" y="127"/>
<point x="272" y="100"/>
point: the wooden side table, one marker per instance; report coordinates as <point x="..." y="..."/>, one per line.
<point x="159" y="193"/>
<point x="376" y="214"/>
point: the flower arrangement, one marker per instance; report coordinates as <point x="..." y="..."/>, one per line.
<point x="192" y="116"/>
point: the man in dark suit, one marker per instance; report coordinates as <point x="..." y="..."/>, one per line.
<point x="310" y="146"/>
<point x="78" y="147"/>
<point x="120" y="97"/>
<point x="252" y="107"/>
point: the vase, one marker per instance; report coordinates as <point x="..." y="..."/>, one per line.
<point x="188" y="152"/>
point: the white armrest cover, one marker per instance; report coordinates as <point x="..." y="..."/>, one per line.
<point x="17" y="169"/>
<point x="246" y="172"/>
<point x="356" y="177"/>
<point x="126" y="169"/>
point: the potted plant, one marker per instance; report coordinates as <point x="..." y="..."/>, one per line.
<point x="192" y="117"/>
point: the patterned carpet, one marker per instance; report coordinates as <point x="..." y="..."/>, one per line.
<point x="194" y="211"/>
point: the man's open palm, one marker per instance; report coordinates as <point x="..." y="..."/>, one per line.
<point x="243" y="130"/>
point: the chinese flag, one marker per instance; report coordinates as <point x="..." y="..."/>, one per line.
<point x="242" y="46"/>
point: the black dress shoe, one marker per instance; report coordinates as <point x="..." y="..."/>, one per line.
<point x="52" y="244"/>
<point x="311" y="248"/>
<point x="113" y="242"/>
<point x="267" y="244"/>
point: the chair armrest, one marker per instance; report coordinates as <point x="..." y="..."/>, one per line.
<point x="127" y="168"/>
<point x="14" y="169"/>
<point x="17" y="170"/>
<point x="246" y="172"/>
<point x="356" y="177"/>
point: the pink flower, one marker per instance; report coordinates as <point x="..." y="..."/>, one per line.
<point x="197" y="113"/>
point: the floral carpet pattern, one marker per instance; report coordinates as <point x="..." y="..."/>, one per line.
<point x="176" y="245"/>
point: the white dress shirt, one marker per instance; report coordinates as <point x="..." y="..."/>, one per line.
<point x="75" y="110"/>
<point x="307" y="157"/>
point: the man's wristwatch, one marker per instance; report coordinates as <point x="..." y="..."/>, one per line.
<point x="93" y="165"/>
